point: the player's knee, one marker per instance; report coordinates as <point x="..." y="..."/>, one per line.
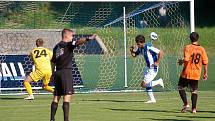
<point x="194" y="91"/>
<point x="25" y="82"/>
<point x="56" y="99"/>
<point x="28" y="80"/>
<point x="48" y="88"/>
<point x="143" y="84"/>
<point x="148" y="89"/>
<point x="180" y="88"/>
<point x="67" y="98"/>
<point x="45" y="87"/>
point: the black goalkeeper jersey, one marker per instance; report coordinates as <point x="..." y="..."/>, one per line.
<point x="63" y="56"/>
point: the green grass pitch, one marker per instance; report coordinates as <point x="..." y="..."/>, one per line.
<point x="109" y="107"/>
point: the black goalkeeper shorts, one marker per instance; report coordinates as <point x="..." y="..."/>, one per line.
<point x="63" y="81"/>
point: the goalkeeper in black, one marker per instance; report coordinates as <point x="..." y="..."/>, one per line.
<point x="63" y="59"/>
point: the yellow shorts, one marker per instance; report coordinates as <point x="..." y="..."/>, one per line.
<point x="41" y="75"/>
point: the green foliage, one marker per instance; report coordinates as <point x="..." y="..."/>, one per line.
<point x="207" y="39"/>
<point x="37" y="16"/>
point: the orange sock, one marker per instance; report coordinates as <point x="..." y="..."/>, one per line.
<point x="28" y="88"/>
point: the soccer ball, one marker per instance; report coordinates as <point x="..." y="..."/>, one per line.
<point x="153" y="36"/>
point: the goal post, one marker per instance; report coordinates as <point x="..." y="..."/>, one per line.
<point x="125" y="46"/>
<point x="192" y="15"/>
<point x="192" y="26"/>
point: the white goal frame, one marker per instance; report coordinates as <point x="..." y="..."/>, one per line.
<point x="192" y="27"/>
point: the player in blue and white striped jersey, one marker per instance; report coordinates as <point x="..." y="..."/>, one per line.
<point x="152" y="58"/>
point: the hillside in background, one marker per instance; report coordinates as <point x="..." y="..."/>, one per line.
<point x="16" y="14"/>
<point x="51" y="15"/>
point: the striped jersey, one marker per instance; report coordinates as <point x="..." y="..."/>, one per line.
<point x="150" y="54"/>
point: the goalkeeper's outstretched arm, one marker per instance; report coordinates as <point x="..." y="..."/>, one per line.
<point x="86" y="39"/>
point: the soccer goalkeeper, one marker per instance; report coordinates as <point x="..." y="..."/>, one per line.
<point x="152" y="57"/>
<point x="41" y="57"/>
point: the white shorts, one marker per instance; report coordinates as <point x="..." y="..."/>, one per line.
<point x="149" y="75"/>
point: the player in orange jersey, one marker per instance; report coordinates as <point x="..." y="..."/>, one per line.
<point x="194" y="57"/>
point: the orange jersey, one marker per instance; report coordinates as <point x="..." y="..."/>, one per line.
<point x="194" y="57"/>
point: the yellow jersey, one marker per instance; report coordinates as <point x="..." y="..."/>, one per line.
<point x="41" y="57"/>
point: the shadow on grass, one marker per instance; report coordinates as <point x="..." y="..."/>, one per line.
<point x="11" y="98"/>
<point x="205" y="111"/>
<point x="159" y="119"/>
<point x="157" y="110"/>
<point x="121" y="101"/>
<point x="195" y="116"/>
<point x="145" y="110"/>
<point x="168" y="111"/>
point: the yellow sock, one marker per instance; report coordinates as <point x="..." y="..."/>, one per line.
<point x="48" y="88"/>
<point x="28" y="88"/>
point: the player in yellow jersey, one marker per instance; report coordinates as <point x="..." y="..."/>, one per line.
<point x="41" y="57"/>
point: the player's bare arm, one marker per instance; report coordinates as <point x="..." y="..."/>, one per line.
<point x="160" y="55"/>
<point x="132" y="51"/>
<point x="205" y="75"/>
<point x="182" y="61"/>
<point x="85" y="39"/>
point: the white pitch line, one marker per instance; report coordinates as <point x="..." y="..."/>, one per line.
<point x="18" y="106"/>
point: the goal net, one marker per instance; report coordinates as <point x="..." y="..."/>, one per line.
<point x="99" y="64"/>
